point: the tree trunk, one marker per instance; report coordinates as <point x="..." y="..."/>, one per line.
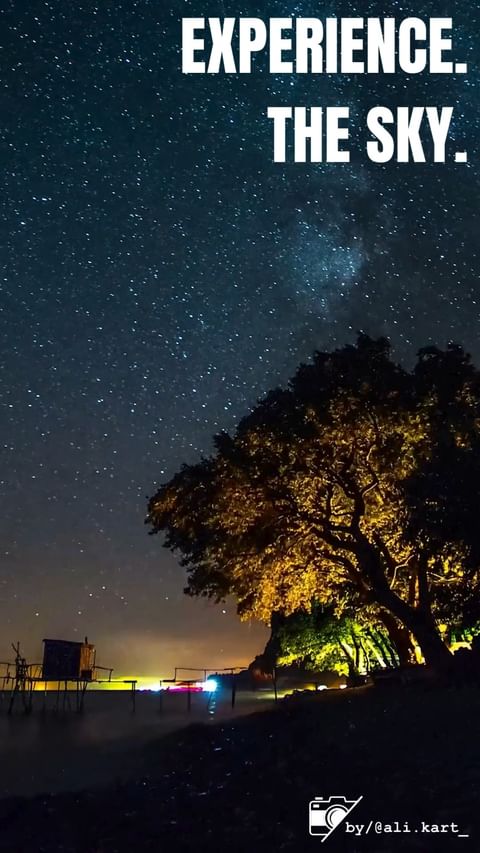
<point x="417" y="619"/>
<point x="357" y="651"/>
<point x="434" y="650"/>
<point x="366" y="656"/>
<point x="384" y="648"/>
<point x="350" y="661"/>
<point x="421" y="624"/>
<point x="399" y="637"/>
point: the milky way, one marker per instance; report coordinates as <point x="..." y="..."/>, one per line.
<point x="159" y="273"/>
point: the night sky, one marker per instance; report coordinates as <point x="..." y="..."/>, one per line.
<point x="160" y="273"/>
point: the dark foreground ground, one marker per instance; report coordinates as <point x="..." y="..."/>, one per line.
<point x="412" y="753"/>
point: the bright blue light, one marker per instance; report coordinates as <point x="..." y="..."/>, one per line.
<point x="210" y="685"/>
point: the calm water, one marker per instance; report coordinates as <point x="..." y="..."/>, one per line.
<point x="61" y="750"/>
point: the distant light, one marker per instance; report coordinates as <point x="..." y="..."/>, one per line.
<point x="343" y="687"/>
<point x="322" y="687"/>
<point x="210" y="685"/>
<point x="148" y="686"/>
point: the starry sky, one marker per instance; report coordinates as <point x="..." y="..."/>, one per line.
<point x="159" y="273"/>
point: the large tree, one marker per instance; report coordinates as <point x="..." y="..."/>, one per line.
<point x="316" y="495"/>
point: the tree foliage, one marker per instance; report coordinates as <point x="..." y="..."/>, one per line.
<point x="321" y="641"/>
<point x="342" y="488"/>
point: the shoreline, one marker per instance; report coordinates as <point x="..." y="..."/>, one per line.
<point x="413" y="755"/>
<point x="58" y="751"/>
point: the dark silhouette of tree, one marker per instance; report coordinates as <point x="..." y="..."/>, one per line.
<point x="444" y="494"/>
<point x="340" y="489"/>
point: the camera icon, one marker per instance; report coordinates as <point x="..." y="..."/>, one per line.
<point x="325" y="815"/>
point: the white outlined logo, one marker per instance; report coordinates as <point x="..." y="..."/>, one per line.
<point x="325" y="815"/>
